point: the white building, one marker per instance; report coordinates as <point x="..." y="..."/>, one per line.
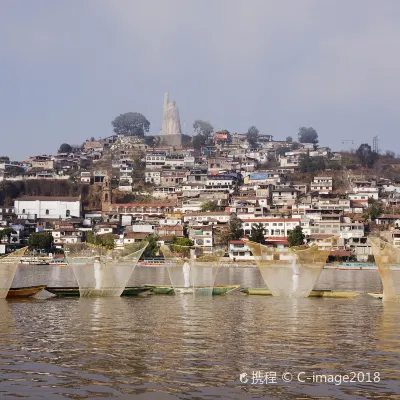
<point x="47" y="207"/>
<point x="322" y="185"/>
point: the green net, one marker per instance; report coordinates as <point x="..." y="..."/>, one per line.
<point x="8" y="268"/>
<point x="192" y="269"/>
<point x="290" y="271"/>
<point x="387" y="258"/>
<point x="101" y="272"/>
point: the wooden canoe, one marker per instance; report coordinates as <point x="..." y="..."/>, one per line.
<point x="216" y="290"/>
<point x="74" y="291"/>
<point x="26" y="291"/>
<point x="314" y="293"/>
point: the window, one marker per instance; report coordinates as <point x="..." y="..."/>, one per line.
<point x="23" y="211"/>
<point x="47" y="212"/>
<point x="68" y="213"/>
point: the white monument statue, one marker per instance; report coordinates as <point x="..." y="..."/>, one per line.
<point x="171" y="124"/>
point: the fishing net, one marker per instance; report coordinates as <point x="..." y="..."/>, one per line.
<point x="101" y="272"/>
<point x="290" y="271"/>
<point x="8" y="268"/>
<point x="387" y="258"/>
<point x="192" y="269"/>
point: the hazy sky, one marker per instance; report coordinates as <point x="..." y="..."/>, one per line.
<point x="68" y="68"/>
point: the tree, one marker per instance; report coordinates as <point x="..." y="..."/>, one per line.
<point x="282" y="151"/>
<point x="252" y="137"/>
<point x="153" y="247"/>
<point x="131" y="124"/>
<point x="366" y="156"/>
<point x="295" y="146"/>
<point x="373" y="211"/>
<point x="182" y="241"/>
<point x="203" y="131"/>
<point x="106" y="240"/>
<point x="257" y="233"/>
<point x="296" y="236"/>
<point x="181" y="245"/>
<point x="41" y="240"/>
<point x="203" y="128"/>
<point x="289" y="139"/>
<point x="4" y="159"/>
<point x="6" y="232"/>
<point x="308" y="135"/>
<point x="235" y="228"/>
<point x="209" y="205"/>
<point x="65" y="148"/>
<point x="311" y="164"/>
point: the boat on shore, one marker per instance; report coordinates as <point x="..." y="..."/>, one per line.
<point x="378" y="296"/>
<point x="26" y="291"/>
<point x="74" y="291"/>
<point x="314" y="293"/>
<point x="216" y="290"/>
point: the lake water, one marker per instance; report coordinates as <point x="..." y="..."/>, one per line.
<point x="187" y="347"/>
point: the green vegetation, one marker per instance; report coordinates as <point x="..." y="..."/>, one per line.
<point x="203" y="131"/>
<point x="296" y="236"/>
<point x="252" y="137"/>
<point x="6" y="233"/>
<point x="209" y="206"/>
<point x="131" y="124"/>
<point x="373" y="211"/>
<point x="366" y="156"/>
<point x="180" y="245"/>
<point x="106" y="240"/>
<point x="65" y="148"/>
<point x="153" y="247"/>
<point x="308" y="135"/>
<point x="257" y="233"/>
<point x="311" y="164"/>
<point x="41" y="241"/>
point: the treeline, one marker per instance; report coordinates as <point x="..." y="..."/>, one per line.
<point x="10" y="190"/>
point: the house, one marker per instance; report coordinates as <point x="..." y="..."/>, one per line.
<point x="170" y="230"/>
<point x="283" y="196"/>
<point x="66" y="233"/>
<point x="388" y="219"/>
<point x="172" y="177"/>
<point x="274" y="227"/>
<point x="85" y="177"/>
<point x="42" y="162"/>
<point x="155" y="160"/>
<point x="153" y="176"/>
<point x="141" y="211"/>
<point x="239" y="251"/>
<point x="207" y="217"/>
<point x="47" y="207"/>
<point x="322" y="184"/>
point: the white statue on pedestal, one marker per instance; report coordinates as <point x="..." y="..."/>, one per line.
<point x="171" y="123"/>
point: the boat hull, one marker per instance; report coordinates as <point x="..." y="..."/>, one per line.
<point x="74" y="291"/>
<point x="314" y="293"/>
<point x="27" y="291"/>
<point x="216" y="290"/>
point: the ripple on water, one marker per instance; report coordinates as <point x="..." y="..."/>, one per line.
<point x="189" y="347"/>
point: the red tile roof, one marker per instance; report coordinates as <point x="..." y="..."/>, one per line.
<point x="270" y="219"/>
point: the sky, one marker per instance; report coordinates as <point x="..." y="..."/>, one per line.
<point x="69" y="67"/>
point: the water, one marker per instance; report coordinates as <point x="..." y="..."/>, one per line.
<point x="158" y="347"/>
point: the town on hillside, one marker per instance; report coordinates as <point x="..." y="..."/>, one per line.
<point x="214" y="188"/>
